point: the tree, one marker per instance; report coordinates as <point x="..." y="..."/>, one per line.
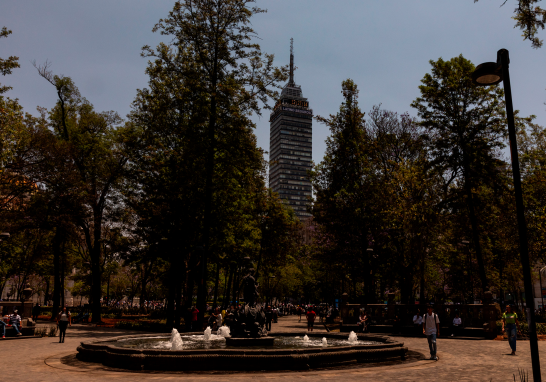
<point x="529" y="18"/>
<point x="84" y="164"/>
<point x="279" y="227"/>
<point x="344" y="184"/>
<point x="8" y="64"/>
<point x="231" y="71"/>
<point x="466" y="124"/>
<point x="410" y="199"/>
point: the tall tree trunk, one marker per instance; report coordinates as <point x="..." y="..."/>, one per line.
<point x="226" y="276"/>
<point x="473" y="219"/>
<point x="63" y="273"/>
<point x="216" y="284"/>
<point x="190" y="286"/>
<point x="178" y="301"/>
<point x="108" y="290"/>
<point x="172" y="293"/>
<point x="143" y="289"/>
<point x="235" y="289"/>
<point x="207" y="214"/>
<point x="171" y="296"/>
<point x="47" y="281"/>
<point x="422" y="300"/>
<point x="96" y="284"/>
<point x="57" y="241"/>
<point x="227" y="291"/>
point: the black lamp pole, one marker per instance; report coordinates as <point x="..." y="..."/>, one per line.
<point x="522" y="225"/>
<point x="487" y="74"/>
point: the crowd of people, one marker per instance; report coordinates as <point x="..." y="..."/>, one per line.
<point x="218" y="316"/>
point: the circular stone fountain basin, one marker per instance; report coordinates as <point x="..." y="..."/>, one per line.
<point x="151" y="352"/>
<point x="192" y="342"/>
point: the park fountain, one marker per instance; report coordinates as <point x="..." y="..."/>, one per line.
<point x="244" y="345"/>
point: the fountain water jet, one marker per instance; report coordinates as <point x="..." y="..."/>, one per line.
<point x="324" y="341"/>
<point x="176" y="340"/>
<point x="353" y="338"/>
<point x="223" y="331"/>
<point x="207" y="334"/>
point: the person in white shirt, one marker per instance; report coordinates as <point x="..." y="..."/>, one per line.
<point x="417" y="322"/>
<point x="64" y="319"/>
<point x="457" y="325"/>
<point x="15" y="321"/>
<point x="431" y="328"/>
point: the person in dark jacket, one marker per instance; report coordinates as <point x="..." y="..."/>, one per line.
<point x="268" y="318"/>
<point x="35" y="312"/>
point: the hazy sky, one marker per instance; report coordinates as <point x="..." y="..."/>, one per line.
<point x="384" y="46"/>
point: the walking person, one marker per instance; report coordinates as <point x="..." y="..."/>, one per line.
<point x="431" y="328"/>
<point x="194" y="313"/>
<point x="311" y="315"/>
<point x="510" y="323"/>
<point x="268" y="318"/>
<point x="275" y="315"/>
<point x="63" y="321"/>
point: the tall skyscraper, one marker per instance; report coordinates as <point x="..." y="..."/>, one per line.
<point x="290" y="147"/>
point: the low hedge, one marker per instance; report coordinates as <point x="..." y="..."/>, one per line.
<point x="541" y="328"/>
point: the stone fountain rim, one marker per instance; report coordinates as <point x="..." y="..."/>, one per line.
<point x="386" y="343"/>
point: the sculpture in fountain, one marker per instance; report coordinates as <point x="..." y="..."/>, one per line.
<point x="248" y="323"/>
<point x="250" y="289"/>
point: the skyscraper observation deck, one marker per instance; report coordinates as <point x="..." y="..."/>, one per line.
<point x="291" y="146"/>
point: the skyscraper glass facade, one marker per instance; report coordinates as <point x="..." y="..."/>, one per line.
<point x="291" y="145"/>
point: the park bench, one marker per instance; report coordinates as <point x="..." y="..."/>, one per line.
<point x="27" y="328"/>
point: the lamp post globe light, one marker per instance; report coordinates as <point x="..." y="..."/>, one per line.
<point x="492" y="73"/>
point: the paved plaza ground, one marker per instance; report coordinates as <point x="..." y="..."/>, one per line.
<point x="460" y="360"/>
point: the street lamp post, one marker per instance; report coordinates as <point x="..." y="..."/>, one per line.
<point x="492" y="73"/>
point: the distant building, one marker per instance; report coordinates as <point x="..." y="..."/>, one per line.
<point x="291" y="146"/>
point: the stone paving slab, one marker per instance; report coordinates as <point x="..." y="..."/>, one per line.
<point x="460" y="360"/>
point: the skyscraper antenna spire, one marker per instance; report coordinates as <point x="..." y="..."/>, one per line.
<point x="291" y="83"/>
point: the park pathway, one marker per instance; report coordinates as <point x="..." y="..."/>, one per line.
<point x="36" y="360"/>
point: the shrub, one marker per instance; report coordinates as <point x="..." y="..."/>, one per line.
<point x="541" y="328"/>
<point x="52" y="331"/>
<point x="41" y="332"/>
